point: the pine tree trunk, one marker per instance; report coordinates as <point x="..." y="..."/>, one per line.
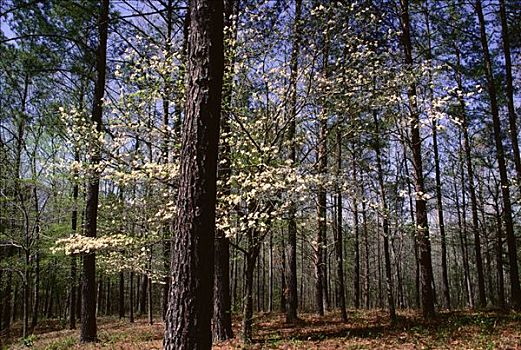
<point x="462" y="225"/>
<point x="512" y="118"/>
<point x="292" y="300"/>
<point x="247" y="317"/>
<point x="385" y="214"/>
<point x="150" y="306"/>
<point x="74" y="268"/>
<point x="367" y="280"/>
<point x="472" y="188"/>
<point x="142" y="307"/>
<point x="439" y="202"/>
<point x="36" y="287"/>
<point x="270" y="274"/>
<point x="426" y="273"/>
<point x="515" y="288"/>
<point x="188" y="321"/>
<point x="340" y="287"/>
<point x="7" y="310"/>
<point x="88" y="331"/>
<point x="499" y="256"/>
<point x="121" y="295"/>
<point x="283" y="285"/>
<point x="131" y="300"/>
<point x="356" y="228"/>
<point x="320" y="264"/>
<point x="413" y="222"/>
<point x="222" y="321"/>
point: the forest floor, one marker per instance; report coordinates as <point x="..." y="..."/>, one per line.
<point x="364" y="330"/>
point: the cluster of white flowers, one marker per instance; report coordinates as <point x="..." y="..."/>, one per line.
<point x="79" y="244"/>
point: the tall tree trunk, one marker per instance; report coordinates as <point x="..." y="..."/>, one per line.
<point x="356" y="229"/>
<point x="439" y="202"/>
<point x="462" y="224"/>
<point x="499" y="255"/>
<point x="121" y="296"/>
<point x="385" y="215"/>
<point x="142" y="306"/>
<point x="270" y="274"/>
<point x="292" y="300"/>
<point x="441" y="219"/>
<point x="7" y="310"/>
<point x="367" y="281"/>
<point x="188" y="321"/>
<point x="515" y="289"/>
<point x="19" y="191"/>
<point x="340" y="287"/>
<point x="74" y="267"/>
<point x="88" y="331"/>
<point x="247" y="317"/>
<point x="321" y="290"/>
<point x="25" y="302"/>
<point x="512" y="118"/>
<point x="166" y="230"/>
<point x="320" y="267"/>
<point x="482" y="301"/>
<point x="222" y="325"/>
<point x="99" y="294"/>
<point x="36" y="257"/>
<point x="150" y="305"/>
<point x="413" y="222"/>
<point x="427" y="279"/>
<point x="131" y="297"/>
<point x="283" y="285"/>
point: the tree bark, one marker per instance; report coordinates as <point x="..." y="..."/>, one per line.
<point x="426" y="274"/>
<point x="512" y="118"/>
<point x="222" y="318"/>
<point x="283" y="284"/>
<point x="292" y="295"/>
<point x="247" y="321"/>
<point x="439" y="202"/>
<point x="340" y="287"/>
<point x="150" y="305"/>
<point x="88" y="330"/>
<point x="385" y="214"/>
<point x="367" y="280"/>
<point x="515" y="288"/>
<point x="121" y="296"/>
<point x="472" y="187"/>
<point x="356" y="228"/>
<point x="499" y="255"/>
<point x="131" y="297"/>
<point x="462" y="224"/>
<point x="188" y="321"/>
<point x="74" y="267"/>
<point x="142" y="306"/>
<point x="320" y="267"/>
<point x="36" y="257"/>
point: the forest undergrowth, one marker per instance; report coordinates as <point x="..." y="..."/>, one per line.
<point x="372" y="329"/>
